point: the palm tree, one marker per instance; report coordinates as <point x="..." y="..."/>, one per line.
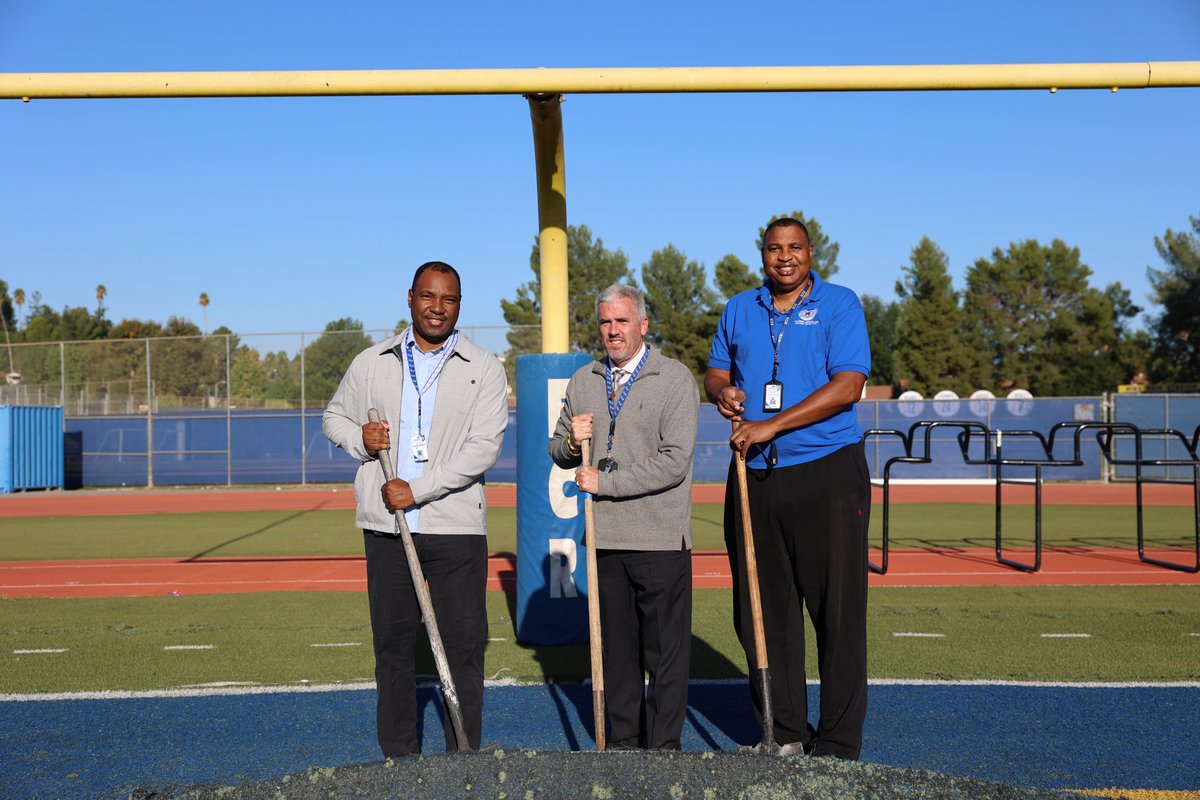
<point x="19" y="299"/>
<point x="204" y="305"/>
<point x="101" y="293"/>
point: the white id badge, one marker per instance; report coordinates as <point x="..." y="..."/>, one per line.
<point x="772" y="396"/>
<point x="420" y="448"/>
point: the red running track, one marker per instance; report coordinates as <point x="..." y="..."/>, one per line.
<point x="907" y="567"/>
<point x="146" y="577"/>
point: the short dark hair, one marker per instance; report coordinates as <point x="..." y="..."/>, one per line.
<point x="437" y="266"/>
<point x="784" y="222"/>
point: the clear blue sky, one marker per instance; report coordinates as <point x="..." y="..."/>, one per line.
<point x="290" y="213"/>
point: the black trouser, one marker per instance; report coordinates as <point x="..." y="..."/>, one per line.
<point x="456" y="570"/>
<point x="810" y="541"/>
<point x="646" y="625"/>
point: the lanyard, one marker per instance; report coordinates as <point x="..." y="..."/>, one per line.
<point x="615" y="404"/>
<point x="787" y="317"/>
<point x="433" y="376"/>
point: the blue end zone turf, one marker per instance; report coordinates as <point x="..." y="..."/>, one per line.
<point x="1045" y="737"/>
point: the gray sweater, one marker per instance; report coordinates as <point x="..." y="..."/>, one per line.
<point x="469" y="418"/>
<point x="646" y="503"/>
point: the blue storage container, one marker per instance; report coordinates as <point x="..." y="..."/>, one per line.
<point x="31" y="448"/>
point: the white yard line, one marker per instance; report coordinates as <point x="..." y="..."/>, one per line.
<point x="1066" y="636"/>
<point x="189" y="647"/>
<point x="503" y="682"/>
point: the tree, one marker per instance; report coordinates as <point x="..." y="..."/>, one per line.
<point x="683" y="310"/>
<point x="6" y="306"/>
<point x="733" y="275"/>
<point x="282" y="378"/>
<point x="183" y="365"/>
<point x="1176" y="330"/>
<point x="6" y="317"/>
<point x="247" y="378"/>
<point x="326" y="359"/>
<point x="101" y="293"/>
<point x="74" y="323"/>
<point x="592" y="268"/>
<point x="204" y="307"/>
<point x="19" y="298"/>
<point x="825" y="252"/>
<point x="1044" y="327"/>
<point x="930" y="352"/>
<point x="882" y="321"/>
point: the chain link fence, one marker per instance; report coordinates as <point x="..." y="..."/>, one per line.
<point x="215" y="409"/>
<point x="246" y="409"/>
<point x="269" y="371"/>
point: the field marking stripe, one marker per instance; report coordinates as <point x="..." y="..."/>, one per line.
<point x="39" y="651"/>
<point x="183" y="584"/>
<point x="1066" y="635"/>
<point x="189" y="647"/>
<point x="995" y="573"/>
<point x="915" y="635"/>
<point x="336" y="644"/>
<point x="121" y="694"/>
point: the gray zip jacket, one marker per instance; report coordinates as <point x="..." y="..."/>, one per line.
<point x="465" y="434"/>
<point x="646" y="503"/>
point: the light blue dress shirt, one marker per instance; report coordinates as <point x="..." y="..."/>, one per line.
<point x="425" y="364"/>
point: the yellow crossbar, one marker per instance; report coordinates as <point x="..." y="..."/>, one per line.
<point x="890" y="78"/>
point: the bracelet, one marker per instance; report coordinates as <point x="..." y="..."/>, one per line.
<point x="572" y="445"/>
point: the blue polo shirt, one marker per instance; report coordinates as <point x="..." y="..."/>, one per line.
<point x="824" y="335"/>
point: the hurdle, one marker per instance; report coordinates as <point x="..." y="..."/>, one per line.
<point x="1191" y="447"/>
<point x="1046" y="443"/>
<point x="908" y="457"/>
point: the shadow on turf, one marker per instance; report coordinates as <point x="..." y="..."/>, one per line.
<point x="249" y="535"/>
<point x="723" y="706"/>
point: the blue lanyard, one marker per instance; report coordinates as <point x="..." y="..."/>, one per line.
<point x="433" y="376"/>
<point x="615" y="404"/>
<point x="787" y="317"/>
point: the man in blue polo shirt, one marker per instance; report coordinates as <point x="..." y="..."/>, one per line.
<point x="789" y="362"/>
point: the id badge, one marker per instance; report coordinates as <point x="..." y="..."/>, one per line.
<point x="772" y="396"/>
<point x="420" y="448"/>
<point x="606" y="465"/>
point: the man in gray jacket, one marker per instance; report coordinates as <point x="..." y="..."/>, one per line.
<point x="644" y="407"/>
<point x="443" y="402"/>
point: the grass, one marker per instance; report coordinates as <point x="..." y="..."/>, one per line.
<point x="974" y="525"/>
<point x="245" y="533"/>
<point x="323" y="533"/>
<point x="1143" y="633"/>
<point x="1137" y="633"/>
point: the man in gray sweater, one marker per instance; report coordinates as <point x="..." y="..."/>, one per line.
<point x="444" y="408"/>
<point x="644" y="407"/>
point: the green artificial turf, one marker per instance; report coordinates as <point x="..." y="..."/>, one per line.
<point x="1142" y="633"/>
<point x="318" y="533"/>
<point x="974" y="524"/>
<point x="241" y="533"/>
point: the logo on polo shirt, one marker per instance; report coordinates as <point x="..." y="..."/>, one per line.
<point x="808" y="316"/>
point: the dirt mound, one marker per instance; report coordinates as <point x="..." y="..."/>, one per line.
<point x="533" y="775"/>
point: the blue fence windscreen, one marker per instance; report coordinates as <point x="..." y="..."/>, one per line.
<point x="271" y="447"/>
<point x="1180" y="412"/>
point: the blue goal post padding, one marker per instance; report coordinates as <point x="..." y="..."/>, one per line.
<point x="551" y="563"/>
